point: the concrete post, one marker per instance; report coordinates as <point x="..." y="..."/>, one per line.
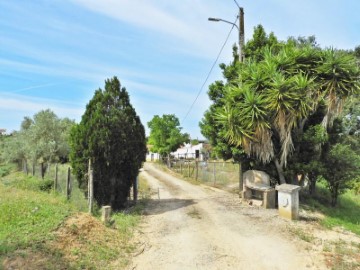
<point x="288" y="200"/>
<point x="105" y="213"/>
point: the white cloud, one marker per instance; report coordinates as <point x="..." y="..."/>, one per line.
<point x="28" y="106"/>
<point x="185" y="23"/>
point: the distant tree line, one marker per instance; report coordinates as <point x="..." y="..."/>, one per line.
<point x="42" y="139"/>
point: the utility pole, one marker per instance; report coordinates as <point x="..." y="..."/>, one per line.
<point x="240" y="28"/>
<point x="241" y="35"/>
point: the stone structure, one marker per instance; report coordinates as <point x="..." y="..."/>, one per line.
<point x="288" y="200"/>
<point x="258" y="181"/>
<point x="105" y="213"/>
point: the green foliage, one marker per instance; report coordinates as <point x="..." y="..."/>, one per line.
<point x="346" y="214"/>
<point x="6" y="169"/>
<point x="316" y="134"/>
<point x="46" y="185"/>
<point x="342" y="166"/>
<point x="357" y="51"/>
<point x="41" y="139"/>
<point x="29" y="220"/>
<point x="280" y="104"/>
<point x="111" y="135"/>
<point x="194" y="142"/>
<point x="28" y="217"/>
<point x="355" y="185"/>
<point x="253" y="48"/>
<point x="165" y="134"/>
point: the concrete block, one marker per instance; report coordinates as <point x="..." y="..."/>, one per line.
<point x="288" y="201"/>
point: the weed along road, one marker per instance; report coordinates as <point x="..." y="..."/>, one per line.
<point x="190" y="226"/>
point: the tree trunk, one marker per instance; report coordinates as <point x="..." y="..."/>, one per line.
<point x="42" y="171"/>
<point x="312" y="187"/>
<point x="334" y="195"/>
<point x="135" y="189"/>
<point x="25" y="166"/>
<point x="280" y="172"/>
<point x="312" y="184"/>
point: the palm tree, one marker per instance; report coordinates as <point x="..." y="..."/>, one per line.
<point x="267" y="106"/>
<point x="339" y="77"/>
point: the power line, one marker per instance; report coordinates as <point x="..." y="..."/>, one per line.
<point x="236" y="3"/>
<point x="212" y="67"/>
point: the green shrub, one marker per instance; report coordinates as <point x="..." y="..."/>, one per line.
<point x="355" y="185"/>
<point x="5" y="169"/>
<point x="46" y="185"/>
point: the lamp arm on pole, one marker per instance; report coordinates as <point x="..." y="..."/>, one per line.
<point x="221" y="20"/>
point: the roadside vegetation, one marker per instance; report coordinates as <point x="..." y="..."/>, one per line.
<point x="46" y="226"/>
<point x="41" y="229"/>
<point x="345" y="216"/>
<point x="290" y="109"/>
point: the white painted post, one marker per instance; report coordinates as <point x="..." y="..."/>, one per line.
<point x="105" y="213"/>
<point x="288" y="201"/>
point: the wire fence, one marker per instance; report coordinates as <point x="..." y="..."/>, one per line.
<point x="215" y="173"/>
<point x="60" y="178"/>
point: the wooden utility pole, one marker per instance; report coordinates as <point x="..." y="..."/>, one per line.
<point x="241" y="35"/>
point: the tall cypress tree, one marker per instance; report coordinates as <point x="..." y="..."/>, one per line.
<point x="112" y="136"/>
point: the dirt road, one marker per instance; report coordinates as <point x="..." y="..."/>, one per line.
<point x="196" y="227"/>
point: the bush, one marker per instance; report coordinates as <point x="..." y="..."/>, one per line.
<point x="46" y="185"/>
<point x="5" y="169"/>
<point x="355" y="185"/>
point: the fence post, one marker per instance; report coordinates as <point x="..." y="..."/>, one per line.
<point x="33" y="169"/>
<point x="197" y="170"/>
<point x="68" y="184"/>
<point x="241" y="181"/>
<point x="214" y="172"/>
<point x="189" y="169"/>
<point x="91" y="190"/>
<point x="56" y="177"/>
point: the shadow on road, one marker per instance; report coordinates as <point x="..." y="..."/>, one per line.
<point x="156" y="206"/>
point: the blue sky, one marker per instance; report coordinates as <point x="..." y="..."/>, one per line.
<point x="55" y="54"/>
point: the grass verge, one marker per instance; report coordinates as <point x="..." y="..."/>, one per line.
<point x="42" y="230"/>
<point x="345" y="215"/>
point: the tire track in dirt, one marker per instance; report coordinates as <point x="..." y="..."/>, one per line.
<point x="196" y="227"/>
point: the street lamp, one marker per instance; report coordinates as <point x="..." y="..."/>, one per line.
<point x="240" y="29"/>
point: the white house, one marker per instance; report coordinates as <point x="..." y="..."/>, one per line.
<point x="189" y="151"/>
<point x="151" y="156"/>
<point x="186" y="151"/>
